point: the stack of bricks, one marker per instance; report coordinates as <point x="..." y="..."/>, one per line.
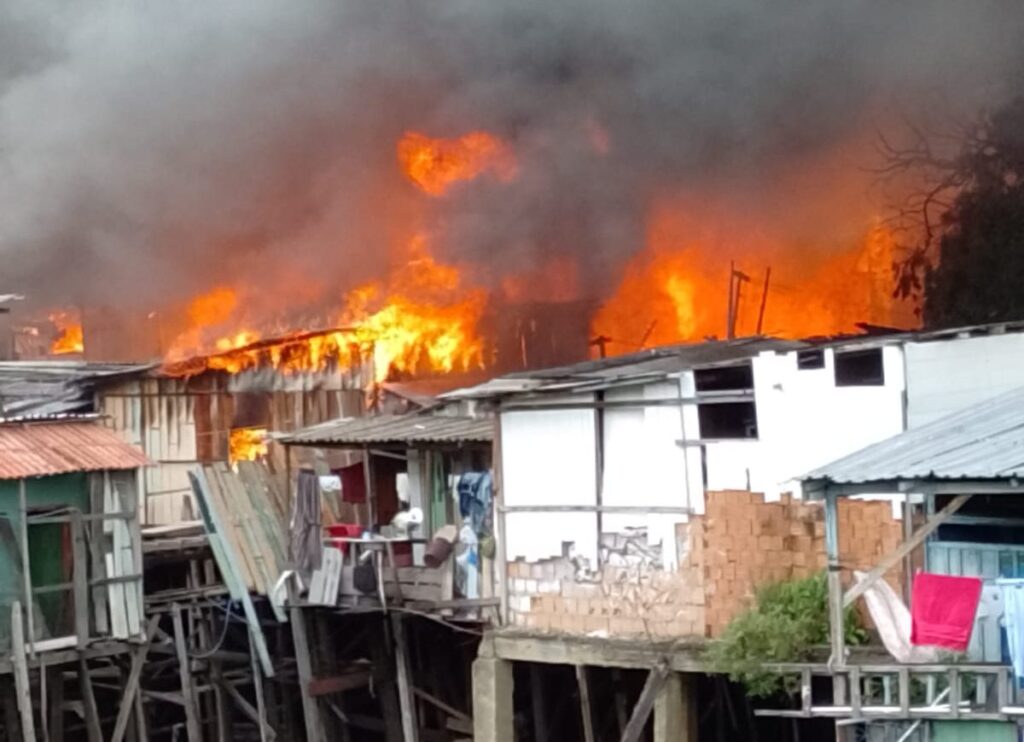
<point x="750" y="543"/>
<point x="740" y="544"/>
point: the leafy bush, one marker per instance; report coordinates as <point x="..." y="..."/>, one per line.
<point x="788" y="620"/>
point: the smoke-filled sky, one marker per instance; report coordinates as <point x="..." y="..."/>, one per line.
<point x="149" y="150"/>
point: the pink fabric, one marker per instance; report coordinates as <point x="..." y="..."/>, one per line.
<point x="943" y="609"/>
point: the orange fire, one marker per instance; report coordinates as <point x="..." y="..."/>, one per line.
<point x="71" y="338"/>
<point x="435" y="165"/>
<point x="247" y="444"/>
<point x="421" y="319"/>
<point x="678" y="292"/>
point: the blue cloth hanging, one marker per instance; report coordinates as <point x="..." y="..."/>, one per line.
<point x="1013" y="619"/>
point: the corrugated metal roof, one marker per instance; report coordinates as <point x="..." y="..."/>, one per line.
<point x="985" y="441"/>
<point x="397" y="429"/>
<point x="42" y="449"/>
<point x="41" y="389"/>
<point x="650" y="364"/>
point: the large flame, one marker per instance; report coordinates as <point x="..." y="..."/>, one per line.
<point x="71" y="338"/>
<point x="675" y="292"/>
<point x="420" y="319"/>
<point x="435" y="165"/>
<point x="247" y="444"/>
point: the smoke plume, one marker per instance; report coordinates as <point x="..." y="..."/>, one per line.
<point x="152" y="150"/>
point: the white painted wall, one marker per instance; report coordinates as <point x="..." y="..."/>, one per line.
<point x="548" y="459"/>
<point x="944" y="376"/>
<point x="805" y="421"/>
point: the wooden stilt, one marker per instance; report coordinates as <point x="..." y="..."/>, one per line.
<point x="92" y="715"/>
<point x="620" y="701"/>
<point x="185" y="671"/>
<point x="55" y="684"/>
<point x="21" y="682"/>
<point x="310" y="710"/>
<point x="266" y="731"/>
<point x="384" y="682"/>
<point x="539" y="702"/>
<point x="410" y="725"/>
<point x="585" y="710"/>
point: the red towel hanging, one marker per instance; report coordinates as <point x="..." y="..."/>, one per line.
<point x="942" y="610"/>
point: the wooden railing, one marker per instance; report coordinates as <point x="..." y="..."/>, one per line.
<point x="895" y="692"/>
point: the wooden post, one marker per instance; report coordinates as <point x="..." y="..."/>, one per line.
<point x="585" y="711"/>
<point x="55" y="684"/>
<point x="835" y="595"/>
<point x="764" y="299"/>
<point x="501" y="552"/>
<point x="310" y="710"/>
<point x="185" y="671"/>
<point x="80" y="578"/>
<point x="21" y="681"/>
<point x="26" y="577"/>
<point x="371" y="499"/>
<point x="91" y="713"/>
<point x="539" y="703"/>
<point x="410" y="724"/>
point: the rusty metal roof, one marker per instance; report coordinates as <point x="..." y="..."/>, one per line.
<point x="46" y="448"/>
<point x="396" y="429"/>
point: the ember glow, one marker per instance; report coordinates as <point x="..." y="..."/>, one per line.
<point x="71" y="338"/>
<point x="247" y="444"/>
<point x="435" y="165"/>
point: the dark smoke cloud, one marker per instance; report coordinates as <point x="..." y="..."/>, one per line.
<point x="148" y="150"/>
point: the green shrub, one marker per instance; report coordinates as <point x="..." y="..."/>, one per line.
<point x="788" y="620"/>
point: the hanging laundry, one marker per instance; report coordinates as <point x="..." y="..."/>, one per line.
<point x="1013" y="617"/>
<point x="943" y="609"/>
<point x="892" y="620"/>
<point x="474" y="490"/>
<point x="306" y="540"/>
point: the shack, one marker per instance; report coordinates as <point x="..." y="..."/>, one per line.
<point x="960" y="476"/>
<point x="71" y="566"/>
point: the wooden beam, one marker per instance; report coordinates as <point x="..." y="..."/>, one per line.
<point x="246" y="708"/>
<point x="905" y="548"/>
<point x="131" y="685"/>
<point x="406" y="700"/>
<point x="339" y="683"/>
<point x="642" y="711"/>
<point x="185" y="672"/>
<point x="21" y="681"/>
<point x="435" y="701"/>
<point x="585" y="711"/>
